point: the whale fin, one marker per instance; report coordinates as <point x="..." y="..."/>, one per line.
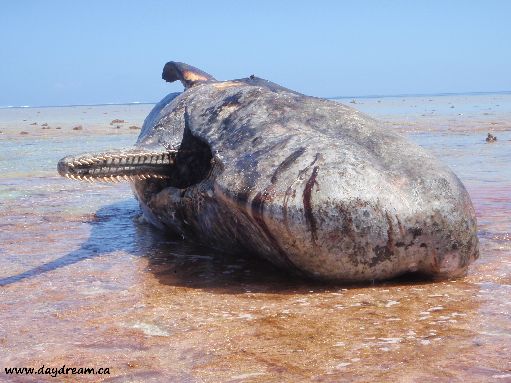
<point x="187" y="74"/>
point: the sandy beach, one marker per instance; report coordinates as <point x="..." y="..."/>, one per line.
<point x="85" y="282"/>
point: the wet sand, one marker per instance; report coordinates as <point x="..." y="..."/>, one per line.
<point x="85" y="282"/>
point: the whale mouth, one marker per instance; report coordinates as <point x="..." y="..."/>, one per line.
<point x="116" y="166"/>
<point x="179" y="167"/>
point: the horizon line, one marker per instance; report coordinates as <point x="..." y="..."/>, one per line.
<point x="472" y="93"/>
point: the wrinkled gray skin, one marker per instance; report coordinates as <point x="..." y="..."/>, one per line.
<point x="312" y="185"/>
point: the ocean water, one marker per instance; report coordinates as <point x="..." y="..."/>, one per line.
<point x="84" y="282"/>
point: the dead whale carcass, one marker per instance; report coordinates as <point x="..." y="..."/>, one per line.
<point x="310" y="184"/>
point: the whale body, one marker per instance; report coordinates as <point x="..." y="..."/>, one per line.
<point x="314" y="186"/>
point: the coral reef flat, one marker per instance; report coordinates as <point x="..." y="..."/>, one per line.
<point x="86" y="283"/>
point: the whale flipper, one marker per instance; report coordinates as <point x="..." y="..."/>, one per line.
<point x="187" y="74"/>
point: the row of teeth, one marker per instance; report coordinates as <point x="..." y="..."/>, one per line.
<point x="114" y="179"/>
<point x="106" y="157"/>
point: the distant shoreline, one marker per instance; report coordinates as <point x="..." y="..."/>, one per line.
<point x="74" y="105"/>
<point x="371" y="96"/>
<point x="421" y="95"/>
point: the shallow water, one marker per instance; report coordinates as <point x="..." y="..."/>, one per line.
<point x="86" y="283"/>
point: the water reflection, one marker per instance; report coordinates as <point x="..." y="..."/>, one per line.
<point x="119" y="227"/>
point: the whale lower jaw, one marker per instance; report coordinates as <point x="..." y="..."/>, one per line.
<point x="115" y="166"/>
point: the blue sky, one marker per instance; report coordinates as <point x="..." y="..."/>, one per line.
<point x="87" y="52"/>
